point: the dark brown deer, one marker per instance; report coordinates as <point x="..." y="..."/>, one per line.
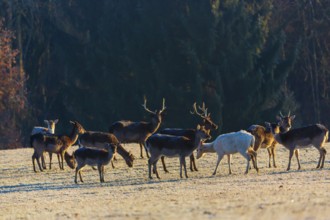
<point x="207" y="123"/>
<point x="294" y="139"/>
<point x="138" y="132"/>
<point x="285" y="121"/>
<point x="58" y="144"/>
<point x="265" y="139"/>
<point x="173" y="146"/>
<point x="97" y="139"/>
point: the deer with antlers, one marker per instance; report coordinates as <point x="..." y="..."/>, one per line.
<point x="207" y="123"/>
<point x="138" y="132"/>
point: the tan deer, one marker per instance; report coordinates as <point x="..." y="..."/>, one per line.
<point x="265" y="139"/>
<point x="58" y="144"/>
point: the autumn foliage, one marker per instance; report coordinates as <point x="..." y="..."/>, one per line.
<point x="12" y="94"/>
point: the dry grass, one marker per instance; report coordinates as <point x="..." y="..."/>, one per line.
<point x="129" y="194"/>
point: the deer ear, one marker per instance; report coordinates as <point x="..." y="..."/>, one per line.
<point x="278" y="117"/>
<point x="267" y="124"/>
<point x="72" y="122"/>
<point x="56" y="120"/>
<point x="46" y="121"/>
<point x="293" y="117"/>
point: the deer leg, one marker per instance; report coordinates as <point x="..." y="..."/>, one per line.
<point x="103" y="173"/>
<point x="43" y="161"/>
<point x="81" y="180"/>
<point x="78" y="170"/>
<point x="229" y="161"/>
<point x="59" y="160"/>
<point x="38" y="161"/>
<point x="50" y="160"/>
<point x="183" y="162"/>
<point x="145" y="148"/>
<point x="322" y="157"/>
<point x="296" y="152"/>
<point x="156" y="170"/>
<point x="62" y="158"/>
<point x="255" y="156"/>
<point x="164" y="165"/>
<point x="153" y="161"/>
<point x="99" y="167"/>
<point x="149" y="168"/>
<point x="33" y="163"/>
<point x="141" y="151"/>
<point x="290" y="157"/>
<point x="113" y="166"/>
<point x="269" y="157"/>
<point x="193" y="163"/>
<point x="324" y="153"/>
<point x="274" y="156"/>
<point x="218" y="162"/>
<point x="75" y="176"/>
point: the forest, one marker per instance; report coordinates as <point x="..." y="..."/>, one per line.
<point x="95" y="61"/>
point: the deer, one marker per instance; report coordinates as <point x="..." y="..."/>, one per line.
<point x="265" y="139"/>
<point x="190" y="133"/>
<point x="313" y="135"/>
<point x="50" y="130"/>
<point x="138" y="132"/>
<point x="173" y="146"/>
<point x="58" y="144"/>
<point x="97" y="139"/>
<point x="94" y="157"/>
<point x="227" y="144"/>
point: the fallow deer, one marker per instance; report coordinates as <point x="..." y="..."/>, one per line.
<point x="265" y="139"/>
<point x="54" y="144"/>
<point x="46" y="131"/>
<point x="138" y="132"/>
<point x="190" y="133"/>
<point x="97" y="139"/>
<point x="173" y="146"/>
<point x="294" y="139"/>
<point x="227" y="144"/>
<point x="94" y="157"/>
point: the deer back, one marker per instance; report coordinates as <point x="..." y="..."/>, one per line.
<point x="314" y="135"/>
<point x="189" y="133"/>
<point x="97" y="139"/>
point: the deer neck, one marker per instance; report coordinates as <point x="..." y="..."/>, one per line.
<point x="74" y="135"/>
<point x="208" y="147"/>
<point x="154" y="125"/>
<point x="277" y="137"/>
<point x="126" y="155"/>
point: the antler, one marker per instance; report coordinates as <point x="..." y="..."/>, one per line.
<point x="163" y="107"/>
<point x="204" y="110"/>
<point x="281" y="115"/>
<point x="145" y="106"/>
<point x="289" y="113"/>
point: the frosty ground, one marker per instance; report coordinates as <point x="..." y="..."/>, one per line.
<point x="127" y="193"/>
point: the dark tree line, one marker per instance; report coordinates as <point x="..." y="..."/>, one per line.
<point x="94" y="61"/>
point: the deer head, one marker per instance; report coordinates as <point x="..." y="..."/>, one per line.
<point x="285" y="121"/>
<point x="207" y="122"/>
<point x="79" y="128"/>
<point x="51" y="124"/>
